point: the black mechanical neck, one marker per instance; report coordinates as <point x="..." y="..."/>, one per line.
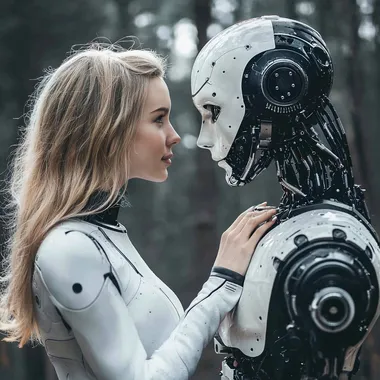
<point x="313" y="161"/>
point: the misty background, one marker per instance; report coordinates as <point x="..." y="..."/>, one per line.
<point x="176" y="225"/>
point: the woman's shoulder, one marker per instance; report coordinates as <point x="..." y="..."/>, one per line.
<point x="71" y="237"/>
<point x="70" y="260"/>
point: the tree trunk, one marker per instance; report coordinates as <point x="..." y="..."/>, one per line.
<point x="371" y="350"/>
<point x="204" y="188"/>
<point x="322" y="6"/>
<point x="354" y="85"/>
<point x="204" y="198"/>
<point x="124" y="18"/>
<point x="291" y="9"/>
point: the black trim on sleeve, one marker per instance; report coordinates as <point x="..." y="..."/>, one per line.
<point x="228" y="275"/>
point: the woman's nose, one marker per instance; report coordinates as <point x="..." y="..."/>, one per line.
<point x="174" y="137"/>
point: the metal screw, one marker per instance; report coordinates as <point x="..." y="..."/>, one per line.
<point x="276" y="75"/>
<point x="282" y="97"/>
<point x="277" y="88"/>
<point x="290" y="73"/>
<point x="288" y="94"/>
<point x="293" y="85"/>
<point x="300" y="240"/>
<point x="339" y="234"/>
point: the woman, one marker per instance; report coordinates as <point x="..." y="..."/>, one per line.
<point x="75" y="282"/>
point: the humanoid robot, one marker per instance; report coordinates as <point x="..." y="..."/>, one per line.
<point x="311" y="293"/>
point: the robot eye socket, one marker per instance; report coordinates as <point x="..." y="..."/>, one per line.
<point x="215" y="111"/>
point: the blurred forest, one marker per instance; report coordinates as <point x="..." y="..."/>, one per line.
<point x="176" y="225"/>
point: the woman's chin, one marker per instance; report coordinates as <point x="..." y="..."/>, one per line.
<point x="164" y="177"/>
<point x="159" y="177"/>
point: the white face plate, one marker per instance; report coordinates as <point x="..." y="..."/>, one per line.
<point x="216" y="79"/>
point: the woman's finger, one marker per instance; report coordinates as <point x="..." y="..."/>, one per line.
<point x="259" y="232"/>
<point x="241" y="216"/>
<point x="254" y="222"/>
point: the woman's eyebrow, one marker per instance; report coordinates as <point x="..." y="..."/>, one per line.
<point x="161" y="109"/>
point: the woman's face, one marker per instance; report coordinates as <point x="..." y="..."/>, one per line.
<point x="155" y="136"/>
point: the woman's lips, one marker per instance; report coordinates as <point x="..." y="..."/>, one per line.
<point x="168" y="161"/>
<point x="167" y="158"/>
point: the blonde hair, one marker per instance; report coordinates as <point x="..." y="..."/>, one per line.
<point x="77" y="139"/>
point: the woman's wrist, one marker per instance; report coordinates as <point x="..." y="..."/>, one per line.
<point x="228" y="274"/>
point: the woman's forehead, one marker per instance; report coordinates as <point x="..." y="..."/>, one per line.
<point x="158" y="95"/>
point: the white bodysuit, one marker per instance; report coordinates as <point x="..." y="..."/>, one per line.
<point x="103" y="314"/>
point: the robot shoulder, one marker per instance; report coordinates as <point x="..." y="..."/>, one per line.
<point x="72" y="266"/>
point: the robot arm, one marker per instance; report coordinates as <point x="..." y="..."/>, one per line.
<point x="79" y="280"/>
<point x="315" y="281"/>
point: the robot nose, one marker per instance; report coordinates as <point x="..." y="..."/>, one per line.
<point x="204" y="146"/>
<point x="205" y="139"/>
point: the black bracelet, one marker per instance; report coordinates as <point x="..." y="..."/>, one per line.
<point x="228" y="274"/>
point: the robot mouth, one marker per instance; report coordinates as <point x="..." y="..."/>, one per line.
<point x="217" y="153"/>
<point x="217" y="158"/>
<point x="223" y="164"/>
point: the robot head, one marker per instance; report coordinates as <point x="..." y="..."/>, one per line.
<point x="262" y="88"/>
<point x="251" y="83"/>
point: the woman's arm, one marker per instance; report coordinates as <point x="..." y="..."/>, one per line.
<point x="101" y="323"/>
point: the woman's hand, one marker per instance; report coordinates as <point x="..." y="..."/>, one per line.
<point x="239" y="241"/>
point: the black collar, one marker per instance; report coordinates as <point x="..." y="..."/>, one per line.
<point x="108" y="216"/>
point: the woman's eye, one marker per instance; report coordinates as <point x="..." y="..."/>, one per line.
<point x="160" y="119"/>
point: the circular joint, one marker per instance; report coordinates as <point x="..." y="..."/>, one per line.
<point x="332" y="309"/>
<point x="284" y="82"/>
